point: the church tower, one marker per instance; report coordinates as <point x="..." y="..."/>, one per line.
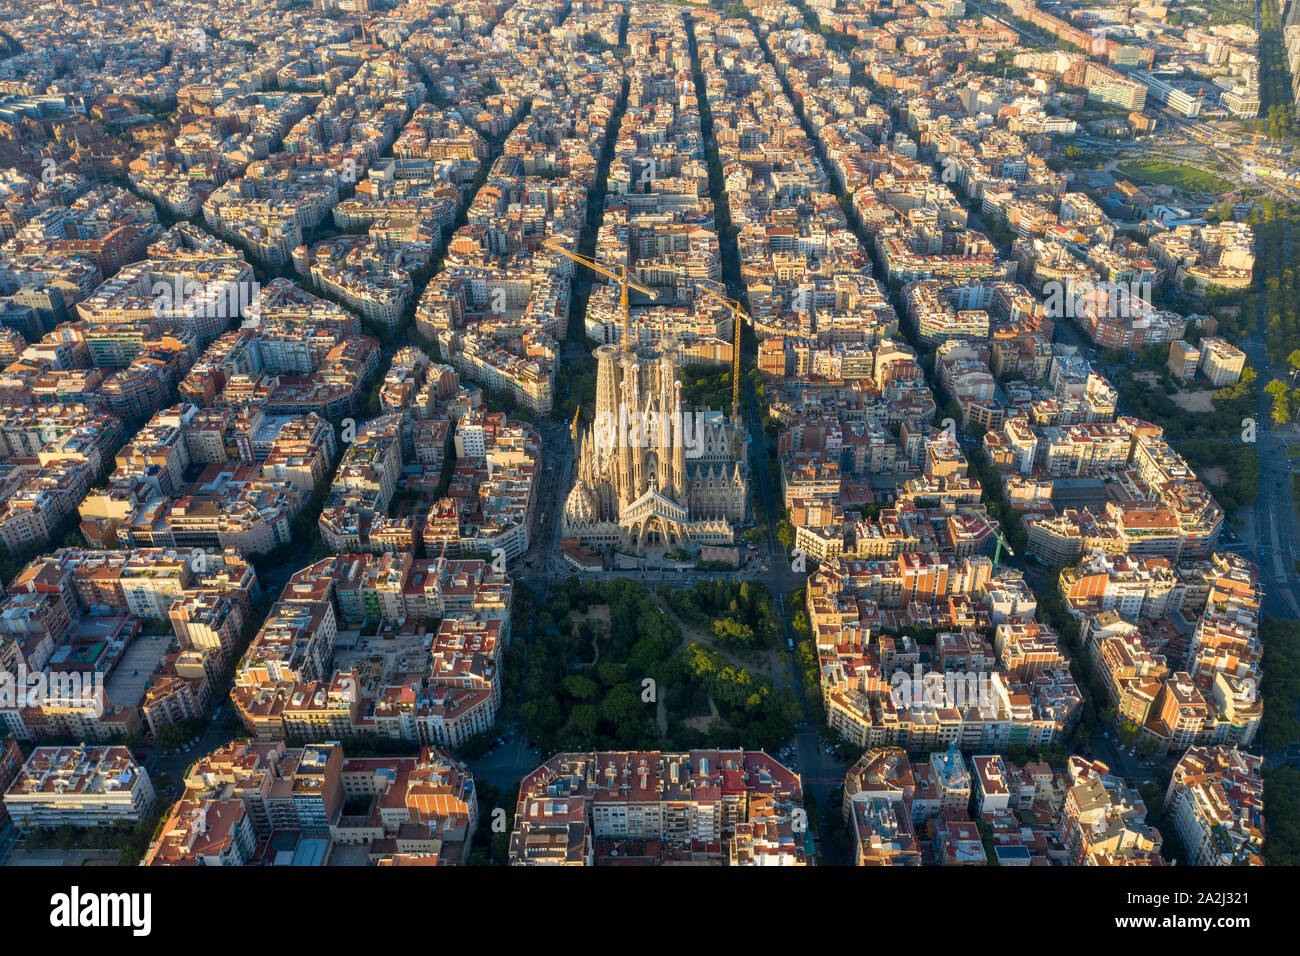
<point x="643" y="438"/>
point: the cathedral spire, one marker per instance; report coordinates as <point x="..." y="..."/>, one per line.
<point x="679" y="444"/>
<point x="641" y="439"/>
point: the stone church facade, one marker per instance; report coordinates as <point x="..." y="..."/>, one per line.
<point x="649" y="473"/>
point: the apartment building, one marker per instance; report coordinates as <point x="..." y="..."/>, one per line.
<point x="585" y="809"/>
<point x="80" y="787"/>
<point x="1221" y="361"/>
<point x="1215" y="800"/>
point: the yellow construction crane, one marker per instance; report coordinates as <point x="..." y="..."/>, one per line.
<point x="1002" y="543"/>
<point x="616" y="271"/>
<point x="739" y="318"/>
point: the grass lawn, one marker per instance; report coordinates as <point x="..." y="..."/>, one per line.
<point x="1186" y="178"/>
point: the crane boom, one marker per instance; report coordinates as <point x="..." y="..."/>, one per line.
<point x="739" y="317"/>
<point x="618" y="272"/>
<point x="615" y="272"/>
<point x="1002" y="543"/>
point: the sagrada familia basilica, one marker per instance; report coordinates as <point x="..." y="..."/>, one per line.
<point x="651" y="475"/>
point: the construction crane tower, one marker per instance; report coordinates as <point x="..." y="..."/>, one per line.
<point x="616" y="271"/>
<point x="739" y="318"/>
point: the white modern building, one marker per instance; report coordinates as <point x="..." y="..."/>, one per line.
<point x="80" y="786"/>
